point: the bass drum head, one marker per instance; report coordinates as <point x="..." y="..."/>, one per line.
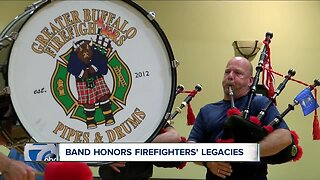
<point x="91" y="71"/>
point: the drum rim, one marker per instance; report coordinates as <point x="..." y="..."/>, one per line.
<point x="27" y="12"/>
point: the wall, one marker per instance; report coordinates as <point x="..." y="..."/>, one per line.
<point x="201" y="34"/>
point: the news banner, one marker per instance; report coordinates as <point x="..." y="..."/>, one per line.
<point x="108" y="152"/>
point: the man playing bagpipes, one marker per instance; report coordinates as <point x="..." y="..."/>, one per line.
<point x="210" y="122"/>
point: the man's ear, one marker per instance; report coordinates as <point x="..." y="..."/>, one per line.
<point x="250" y="81"/>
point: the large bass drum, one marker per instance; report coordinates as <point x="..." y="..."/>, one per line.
<point x="85" y="71"/>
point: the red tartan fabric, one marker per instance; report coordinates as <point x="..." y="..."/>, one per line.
<point x="91" y="95"/>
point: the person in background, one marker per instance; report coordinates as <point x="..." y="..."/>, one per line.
<point x="35" y="166"/>
<point x="208" y="127"/>
<point x="15" y="170"/>
<point x="141" y="170"/>
<point x="13" y="167"/>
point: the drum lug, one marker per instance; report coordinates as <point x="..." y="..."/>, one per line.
<point x="151" y="15"/>
<point x="175" y="63"/>
<point x="35" y="5"/>
<point x="13" y="36"/>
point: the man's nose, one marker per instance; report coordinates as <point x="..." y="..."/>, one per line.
<point x="230" y="76"/>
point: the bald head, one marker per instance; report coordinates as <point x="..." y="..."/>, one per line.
<point x="245" y="63"/>
<point x="238" y="76"/>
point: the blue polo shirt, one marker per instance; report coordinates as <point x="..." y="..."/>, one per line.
<point x="208" y="128"/>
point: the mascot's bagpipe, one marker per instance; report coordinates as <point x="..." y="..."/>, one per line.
<point x="240" y="128"/>
<point x="190" y="121"/>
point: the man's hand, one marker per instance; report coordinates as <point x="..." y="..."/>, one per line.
<point x="115" y="166"/>
<point x="17" y="170"/>
<point x="170" y="135"/>
<point x="221" y="169"/>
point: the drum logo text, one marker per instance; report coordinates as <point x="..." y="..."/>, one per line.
<point x="70" y="25"/>
<point x="85" y="65"/>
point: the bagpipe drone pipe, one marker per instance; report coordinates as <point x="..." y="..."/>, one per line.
<point x="190" y="120"/>
<point x="185" y="102"/>
<point x="240" y="128"/>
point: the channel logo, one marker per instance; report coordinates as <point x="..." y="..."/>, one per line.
<point x="40" y="152"/>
